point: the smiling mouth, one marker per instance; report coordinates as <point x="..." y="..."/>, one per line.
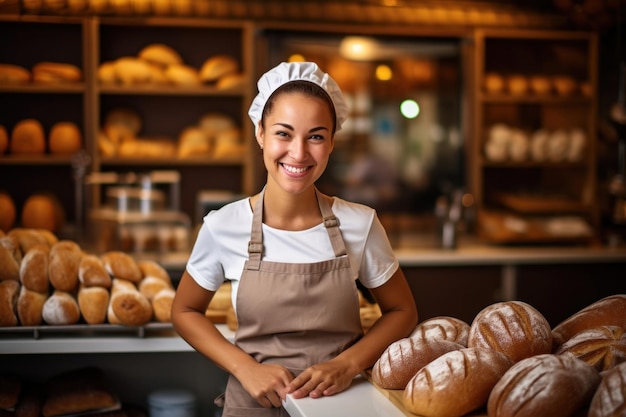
<point x="295" y="170"/>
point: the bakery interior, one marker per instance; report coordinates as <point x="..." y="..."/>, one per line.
<point x="489" y="135"/>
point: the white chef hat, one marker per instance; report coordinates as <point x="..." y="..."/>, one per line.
<point x="293" y="71"/>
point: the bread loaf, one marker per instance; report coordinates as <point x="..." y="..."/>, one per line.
<point x="28" y="137"/>
<point x="150" y="286"/>
<point x="4" y="140"/>
<point x="10" y="258"/>
<point x="13" y="74"/>
<point x="129" y="306"/>
<point x="10" y="390"/>
<point x="126" y="119"/>
<point x="30" y="403"/>
<point x="403" y="358"/>
<point x="162" y="305"/>
<point x="9" y="293"/>
<point x="160" y="54"/>
<point x="32" y="238"/>
<point x="93" y="303"/>
<point x="63" y="264"/>
<point x="455" y="383"/>
<point x="30" y="307"/>
<point x="65" y="138"/>
<point x="78" y="391"/>
<point x="106" y="73"/>
<point x="444" y="328"/>
<point x="56" y="72"/>
<point x="34" y="269"/>
<point x="150" y="268"/>
<point x="8" y="211"/>
<point x="43" y="211"/>
<point x="232" y="80"/>
<point x="601" y="347"/>
<point x="61" y="308"/>
<point x="543" y="385"/>
<point x="609" y="311"/>
<point x="610" y="396"/>
<point x="92" y="273"/>
<point x="193" y="141"/>
<point x="183" y="75"/>
<point x="131" y="71"/>
<point x="514" y="328"/>
<point x="121" y="265"/>
<point x="218" y="66"/>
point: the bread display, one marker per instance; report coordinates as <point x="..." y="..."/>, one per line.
<point x="543" y="385"/>
<point x="610" y="397"/>
<point x="601" y="347"/>
<point x="443" y="327"/>
<point x="405" y="357"/>
<point x="455" y="383"/>
<point x="514" y="328"/>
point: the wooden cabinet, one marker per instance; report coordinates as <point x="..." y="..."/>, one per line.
<point x="533" y="159"/>
<point x="165" y="110"/>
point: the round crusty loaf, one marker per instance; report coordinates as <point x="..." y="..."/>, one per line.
<point x="56" y="72"/>
<point x="162" y="305"/>
<point x="160" y="54"/>
<point x="403" y="358"/>
<point x="61" y="308"/>
<point x="443" y="327"/>
<point x="514" y="328"/>
<point x="543" y="385"/>
<point x="30" y="307"/>
<point x="608" y="311"/>
<point x="121" y="265"/>
<point x="93" y="303"/>
<point x="610" y="396"/>
<point x="63" y="263"/>
<point x="601" y="347"/>
<point x="28" y="137"/>
<point x="43" y="210"/>
<point x="455" y="383"/>
<point x="13" y="74"/>
<point x="65" y="138"/>
<point x="34" y="269"/>
<point x="182" y="75"/>
<point x="9" y="293"/>
<point x="92" y="273"/>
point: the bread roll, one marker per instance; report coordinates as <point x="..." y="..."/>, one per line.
<point x="601" y="347"/>
<point x="192" y="142"/>
<point x="218" y="66"/>
<point x="4" y="139"/>
<point x="213" y="123"/>
<point x="610" y="396"/>
<point x="183" y="75"/>
<point x="131" y="71"/>
<point x="127" y="120"/>
<point x="65" y="138"/>
<point x="92" y="273"/>
<point x="150" y="286"/>
<point x="56" y="72"/>
<point x="455" y="383"/>
<point x="106" y="73"/>
<point x="403" y="358"/>
<point x="30" y="307"/>
<point x="13" y="75"/>
<point x="9" y="293"/>
<point x="34" y="270"/>
<point x="443" y="328"/>
<point x="63" y="264"/>
<point x="494" y="83"/>
<point x="608" y="311"/>
<point x="77" y="392"/>
<point x="28" y="137"/>
<point x="61" y="308"/>
<point x="228" y="81"/>
<point x="10" y="390"/>
<point x="128" y="305"/>
<point x="43" y="211"/>
<point x="540" y="84"/>
<point x="10" y="259"/>
<point x="514" y="328"/>
<point x="121" y="265"/>
<point x="160" y="54"/>
<point x="517" y="84"/>
<point x="32" y="238"/>
<point x="93" y="303"/>
<point x="150" y="268"/>
<point x="543" y="385"/>
<point x="162" y="305"/>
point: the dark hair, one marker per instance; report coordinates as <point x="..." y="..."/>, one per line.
<point x="307" y="88"/>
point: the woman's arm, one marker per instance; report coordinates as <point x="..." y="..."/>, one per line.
<point x="399" y="318"/>
<point x="264" y="382"/>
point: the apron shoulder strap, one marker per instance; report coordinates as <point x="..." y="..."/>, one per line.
<point x="255" y="245"/>
<point x="332" y="225"/>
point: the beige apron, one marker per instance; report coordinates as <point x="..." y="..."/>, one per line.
<point x="292" y="314"/>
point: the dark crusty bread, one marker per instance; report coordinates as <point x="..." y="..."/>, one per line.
<point x="455" y="383"/>
<point x="403" y="358"/>
<point x="609" y="399"/>
<point x="10" y="258"/>
<point x="514" y="328"/>
<point x="443" y="327"/>
<point x="10" y="388"/>
<point x="608" y="311"/>
<point x="601" y="347"/>
<point x="544" y="385"/>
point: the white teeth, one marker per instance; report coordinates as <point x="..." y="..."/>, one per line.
<point x="294" y="169"/>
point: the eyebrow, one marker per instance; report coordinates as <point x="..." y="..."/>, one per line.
<point x="288" y="126"/>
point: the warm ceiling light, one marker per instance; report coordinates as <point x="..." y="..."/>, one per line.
<point x="383" y="72"/>
<point x="358" y="48"/>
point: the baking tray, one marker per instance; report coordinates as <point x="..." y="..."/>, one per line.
<point x="89" y="330"/>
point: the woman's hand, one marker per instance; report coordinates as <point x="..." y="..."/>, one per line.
<point x="322" y="379"/>
<point x="266" y="383"/>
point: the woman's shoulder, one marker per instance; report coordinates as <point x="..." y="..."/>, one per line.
<point x="350" y="211"/>
<point x="237" y="210"/>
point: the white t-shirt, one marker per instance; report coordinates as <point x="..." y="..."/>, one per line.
<point x="221" y="247"/>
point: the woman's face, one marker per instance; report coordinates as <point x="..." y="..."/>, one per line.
<point x="297" y="140"/>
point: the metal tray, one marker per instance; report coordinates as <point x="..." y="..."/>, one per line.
<point x="89" y="330"/>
